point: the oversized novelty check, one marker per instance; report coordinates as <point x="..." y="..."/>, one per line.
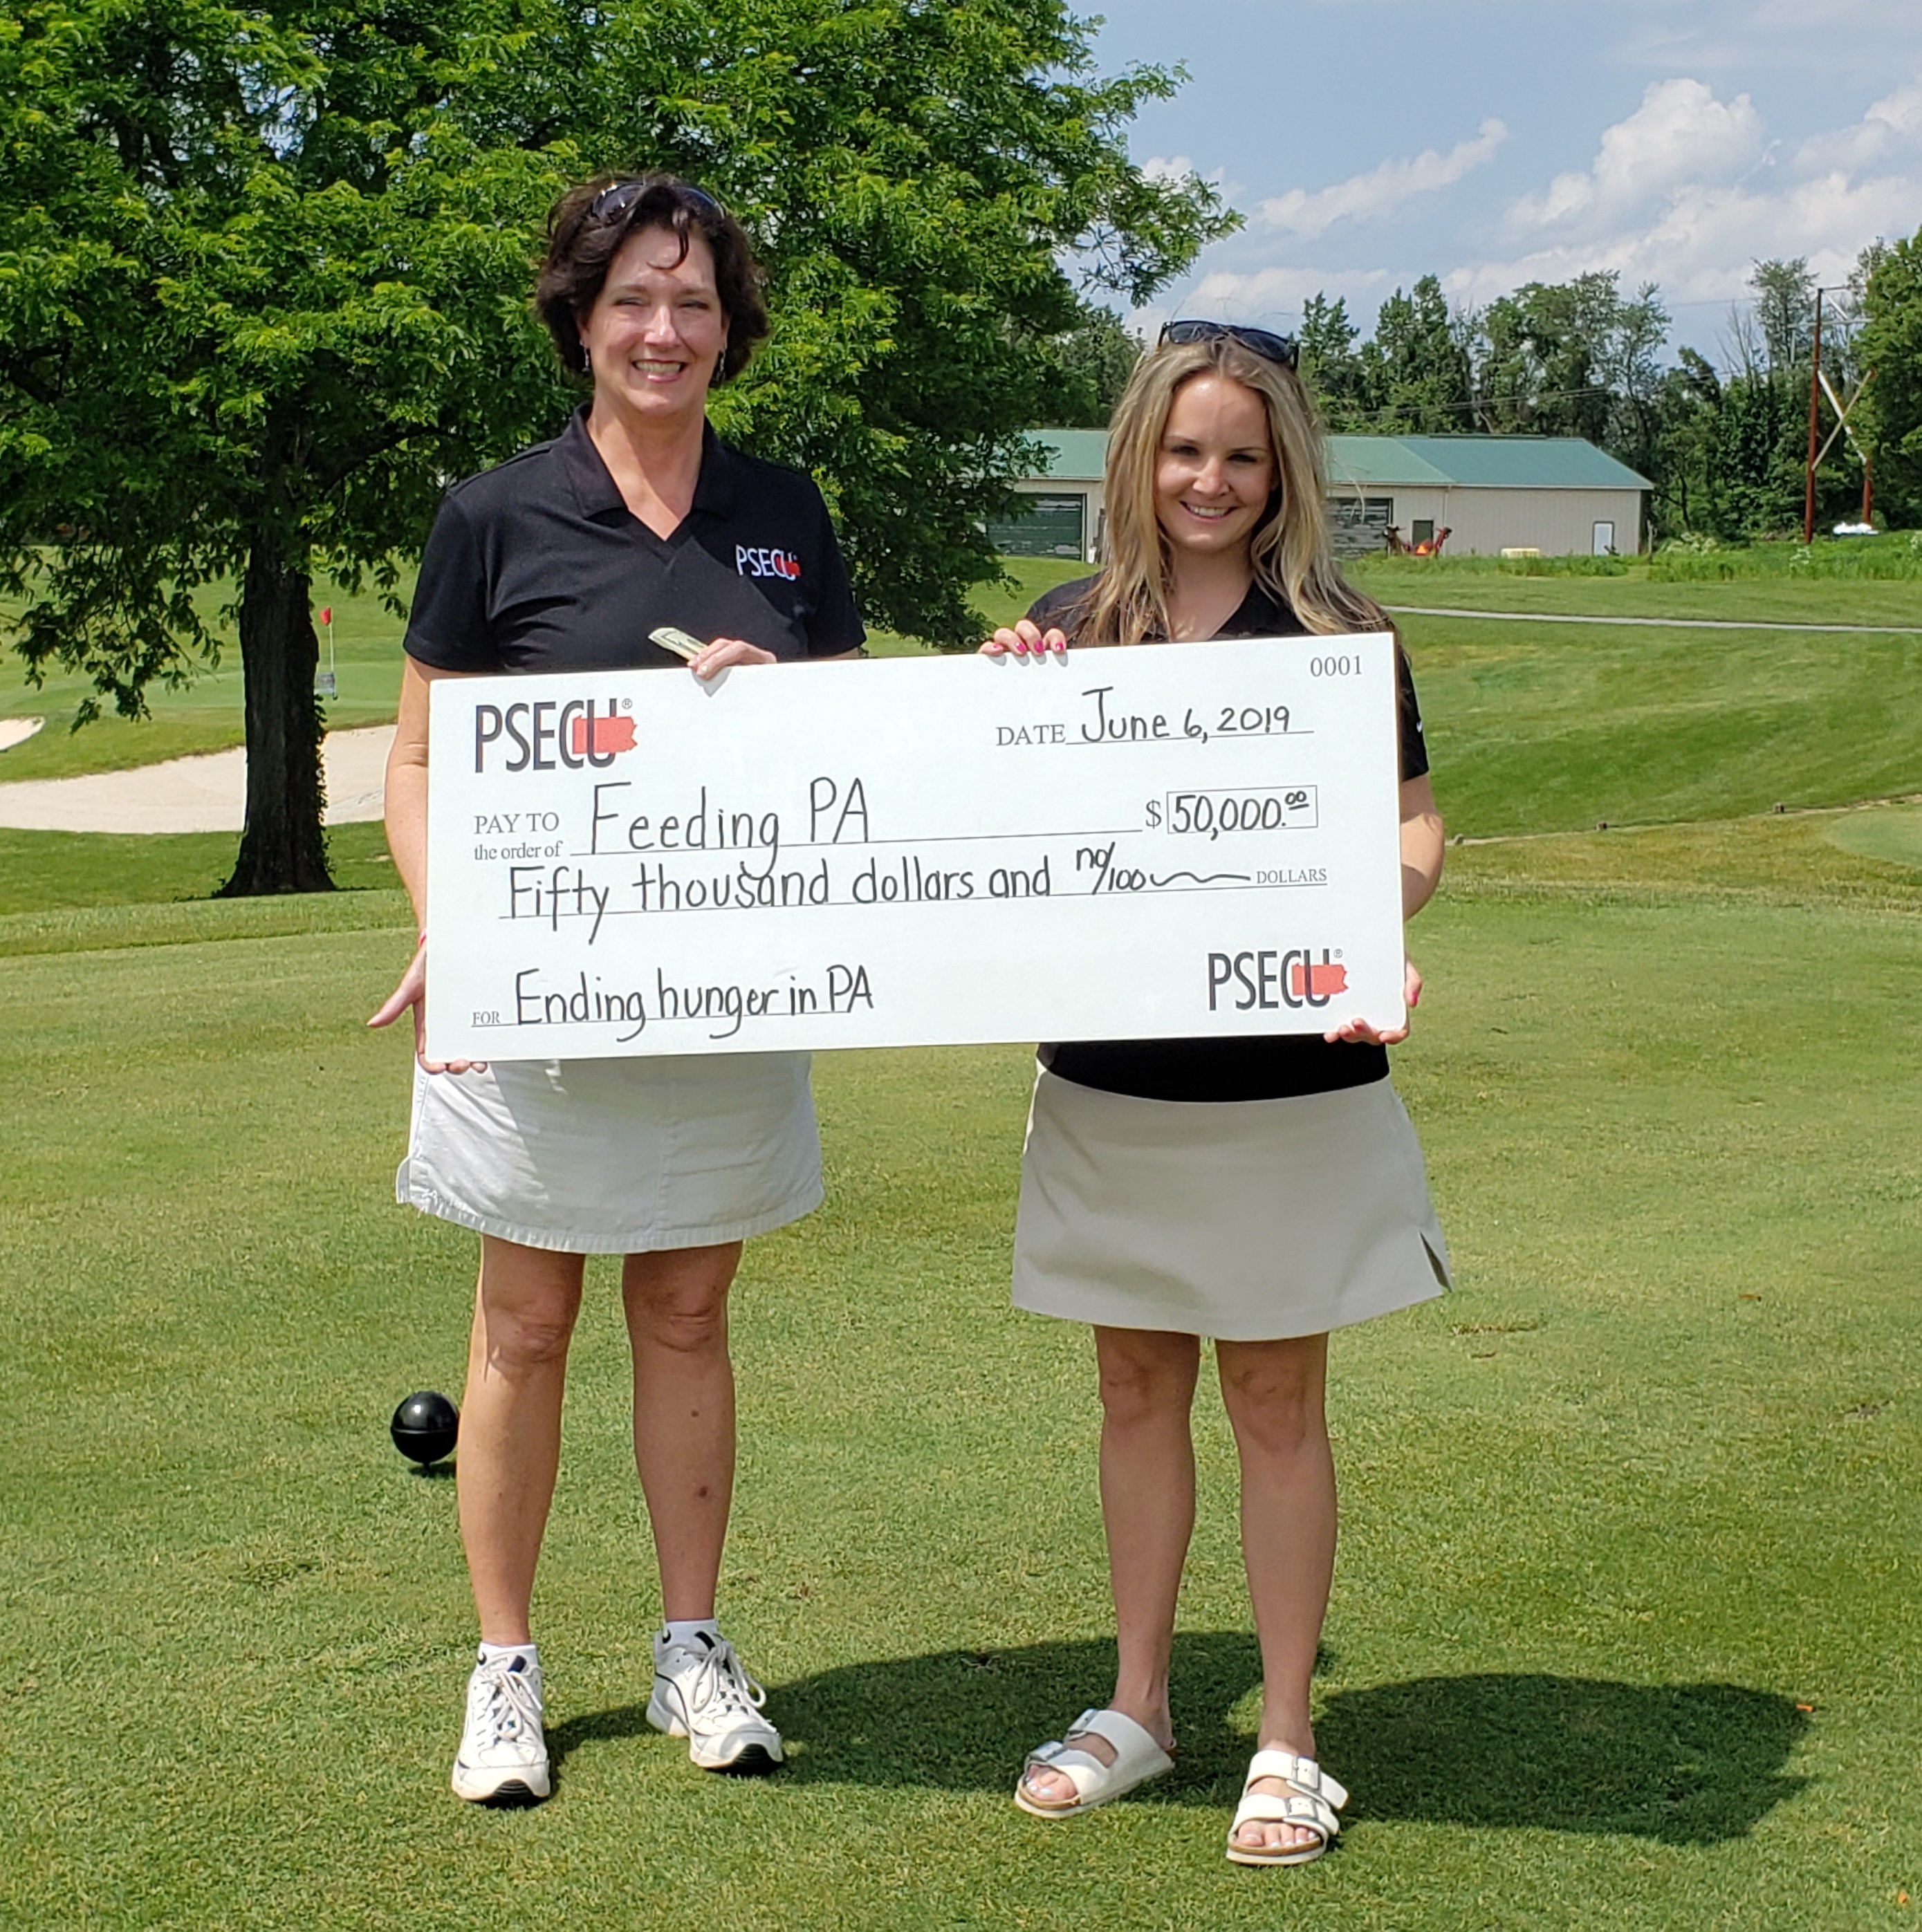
<point x="1189" y="839"/>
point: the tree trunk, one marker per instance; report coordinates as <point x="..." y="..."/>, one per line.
<point x="283" y="849"/>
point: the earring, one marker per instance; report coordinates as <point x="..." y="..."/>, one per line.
<point x="586" y="361"/>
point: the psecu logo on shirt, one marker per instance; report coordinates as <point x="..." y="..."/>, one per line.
<point x="751" y="560"/>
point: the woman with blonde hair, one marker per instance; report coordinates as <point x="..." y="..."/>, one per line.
<point x="1260" y="1191"/>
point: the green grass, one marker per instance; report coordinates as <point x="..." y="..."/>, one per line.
<point x="1894" y="555"/>
<point x="1617" y="1509"/>
<point x="1482" y="583"/>
<point x="994" y="603"/>
<point x="1559" y="728"/>
<point x="1638" y="1488"/>
<point x="42" y="870"/>
<point x="1893" y="837"/>
<point x="204" y="715"/>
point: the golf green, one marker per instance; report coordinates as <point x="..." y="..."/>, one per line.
<point x="1893" y="833"/>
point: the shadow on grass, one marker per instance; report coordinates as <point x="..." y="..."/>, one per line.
<point x="1680" y="1763"/>
<point x="1685" y="1764"/>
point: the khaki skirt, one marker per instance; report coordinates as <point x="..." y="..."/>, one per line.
<point x="615" y="1156"/>
<point x="1247" y="1220"/>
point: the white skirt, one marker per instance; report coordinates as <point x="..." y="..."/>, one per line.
<point x="615" y="1156"/>
<point x="1247" y="1220"/>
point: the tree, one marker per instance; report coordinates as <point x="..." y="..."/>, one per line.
<point x="1093" y="361"/>
<point x="1415" y="371"/>
<point x="1688" y="483"/>
<point x="919" y="171"/>
<point x="1784" y="312"/>
<point x="1575" y="358"/>
<point x="256" y="312"/>
<point x="1890" y="343"/>
<point x="1329" y="364"/>
<point x="263" y="277"/>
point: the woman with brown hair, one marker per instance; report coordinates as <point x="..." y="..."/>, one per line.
<point x="567" y="557"/>
<point x="1260" y="1191"/>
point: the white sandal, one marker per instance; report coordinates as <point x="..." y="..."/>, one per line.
<point x="1312" y="1801"/>
<point x="1137" y="1759"/>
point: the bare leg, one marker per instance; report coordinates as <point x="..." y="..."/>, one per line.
<point x="1274" y="1395"/>
<point x="676" y="1304"/>
<point x="1147" y="1381"/>
<point x="524" y="1310"/>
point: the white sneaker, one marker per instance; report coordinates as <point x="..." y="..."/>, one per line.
<point x="702" y="1693"/>
<point x="504" y="1756"/>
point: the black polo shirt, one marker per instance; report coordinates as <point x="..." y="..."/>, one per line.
<point x="1246" y="1066"/>
<point x="539" y="565"/>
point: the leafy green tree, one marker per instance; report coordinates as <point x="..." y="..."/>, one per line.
<point x="1330" y="365"/>
<point x="1688" y="492"/>
<point x="259" y="304"/>
<point x="1093" y="361"/>
<point x="1762" y="443"/>
<point x="918" y="173"/>
<point x="1575" y="358"/>
<point x="263" y="276"/>
<point x="1785" y="295"/>
<point x="1415" y="370"/>
<point x="1890" y="343"/>
<point x="1538" y="373"/>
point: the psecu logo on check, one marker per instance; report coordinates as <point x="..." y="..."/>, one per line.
<point x="543" y="737"/>
<point x="1273" y="978"/>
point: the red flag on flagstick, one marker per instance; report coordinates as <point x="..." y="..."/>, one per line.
<point x="326" y="614"/>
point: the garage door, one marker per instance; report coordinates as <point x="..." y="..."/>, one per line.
<point x="1046" y="526"/>
<point x="1360" y="524"/>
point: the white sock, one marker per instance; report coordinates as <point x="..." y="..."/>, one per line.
<point x="506" y="1653"/>
<point x="694" y="1626"/>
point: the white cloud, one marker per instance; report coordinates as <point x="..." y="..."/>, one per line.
<point x="1178" y="167"/>
<point x="1891" y="126"/>
<point x="1900" y="112"/>
<point x="1817" y="39"/>
<point x="1701" y="246"/>
<point x="1679" y="136"/>
<point x="1281" y="291"/>
<point x="1271" y="297"/>
<point x="1383" y="191"/>
<point x="1688" y="192"/>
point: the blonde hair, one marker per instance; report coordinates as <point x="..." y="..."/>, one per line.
<point x="1127" y="603"/>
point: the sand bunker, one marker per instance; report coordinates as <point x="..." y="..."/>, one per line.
<point x="201" y="794"/>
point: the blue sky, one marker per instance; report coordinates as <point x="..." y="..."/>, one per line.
<point x="1495" y="142"/>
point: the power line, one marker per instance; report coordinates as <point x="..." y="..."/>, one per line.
<point x="1484" y="402"/>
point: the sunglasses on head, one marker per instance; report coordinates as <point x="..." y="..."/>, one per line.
<point x="1262" y="342"/>
<point x="612" y="202"/>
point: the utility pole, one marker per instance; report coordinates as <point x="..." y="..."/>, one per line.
<point x="1815" y="395"/>
<point x="1819" y="385"/>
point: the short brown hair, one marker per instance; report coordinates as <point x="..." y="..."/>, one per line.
<point x="585" y="229"/>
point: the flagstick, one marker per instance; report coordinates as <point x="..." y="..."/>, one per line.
<point x="327" y="685"/>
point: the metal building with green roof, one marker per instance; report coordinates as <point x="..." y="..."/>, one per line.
<point x="1063" y="507"/>
<point x="1557" y="494"/>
